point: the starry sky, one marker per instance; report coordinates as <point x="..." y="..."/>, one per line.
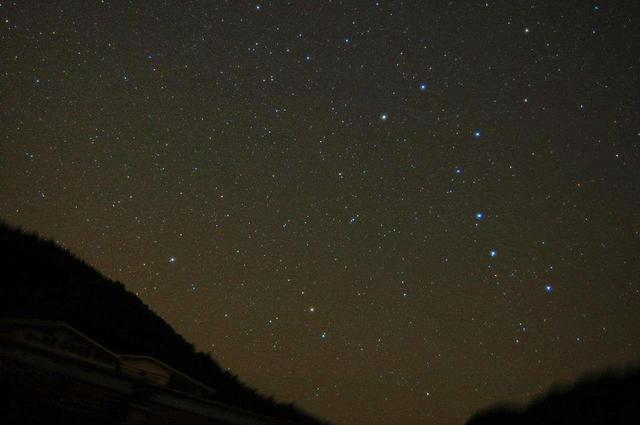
<point x="384" y="211"/>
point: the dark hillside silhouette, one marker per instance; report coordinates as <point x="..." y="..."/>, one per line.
<point x="607" y="399"/>
<point x="40" y="280"/>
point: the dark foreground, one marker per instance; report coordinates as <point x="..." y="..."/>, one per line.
<point x="607" y="399"/>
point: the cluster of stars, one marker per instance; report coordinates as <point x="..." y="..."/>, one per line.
<point x="378" y="190"/>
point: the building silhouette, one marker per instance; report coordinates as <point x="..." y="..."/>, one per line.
<point x="53" y="374"/>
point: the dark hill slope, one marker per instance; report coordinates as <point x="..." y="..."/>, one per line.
<point x="607" y="399"/>
<point x="40" y="280"/>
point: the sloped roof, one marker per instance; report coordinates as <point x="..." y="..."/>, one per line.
<point x="45" y="324"/>
<point x="172" y="371"/>
<point x="115" y="358"/>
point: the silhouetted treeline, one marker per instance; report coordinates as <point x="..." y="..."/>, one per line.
<point x="41" y="280"/>
<point x="608" y="399"/>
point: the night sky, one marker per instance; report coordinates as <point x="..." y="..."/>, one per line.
<point x="387" y="212"/>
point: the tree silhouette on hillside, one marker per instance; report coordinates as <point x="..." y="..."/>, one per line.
<point x="41" y="280"/>
<point x="607" y="399"/>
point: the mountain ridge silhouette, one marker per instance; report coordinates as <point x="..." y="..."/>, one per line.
<point x="606" y="398"/>
<point x="41" y="280"/>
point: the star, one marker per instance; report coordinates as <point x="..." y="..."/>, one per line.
<point x="252" y="160"/>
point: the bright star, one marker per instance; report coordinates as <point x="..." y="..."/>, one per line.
<point x="384" y="116"/>
<point x="493" y="253"/>
<point x="479" y="215"/>
<point x="172" y="259"/>
<point x="548" y="288"/>
<point x="477" y="134"/>
<point x="423" y="86"/>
